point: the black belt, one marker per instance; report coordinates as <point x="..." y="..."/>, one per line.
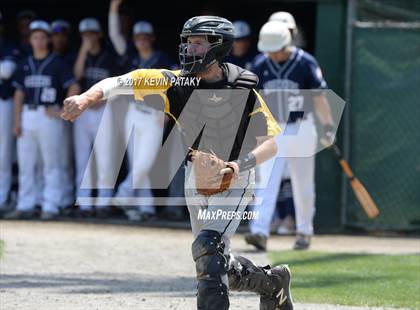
<point x="34" y="107"/>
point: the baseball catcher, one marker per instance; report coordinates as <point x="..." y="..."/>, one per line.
<point x="227" y="130"/>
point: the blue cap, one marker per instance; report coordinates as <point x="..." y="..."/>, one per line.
<point x="242" y="29"/>
<point x="40" y="25"/>
<point x="60" y="25"/>
<point x="143" y="27"/>
<point x="90" y="24"/>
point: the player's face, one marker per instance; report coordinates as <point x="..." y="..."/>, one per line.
<point x="23" y="26"/>
<point x="91" y="36"/>
<point x="39" y="40"/>
<point x="59" y="41"/>
<point x="279" y="56"/>
<point x="197" y="46"/>
<point x="240" y="46"/>
<point x="143" y="41"/>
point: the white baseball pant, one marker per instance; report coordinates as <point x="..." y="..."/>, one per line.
<point x="67" y="171"/>
<point x="100" y="175"/>
<point x="40" y="138"/>
<point x="235" y="199"/>
<point x="143" y="132"/>
<point x="6" y="147"/>
<point x="302" y="175"/>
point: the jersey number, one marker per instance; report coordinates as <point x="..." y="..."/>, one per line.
<point x="295" y="103"/>
<point x="48" y="95"/>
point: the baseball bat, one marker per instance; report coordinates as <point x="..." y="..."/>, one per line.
<point x="359" y="190"/>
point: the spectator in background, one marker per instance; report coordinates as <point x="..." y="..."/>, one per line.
<point x="9" y="55"/>
<point x="145" y="122"/>
<point x="42" y="81"/>
<point x="23" y="19"/>
<point x="93" y="63"/>
<point x="242" y="54"/>
<point x="60" y="39"/>
<point x="120" y="29"/>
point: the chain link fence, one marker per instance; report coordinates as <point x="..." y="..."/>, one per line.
<point x="384" y="131"/>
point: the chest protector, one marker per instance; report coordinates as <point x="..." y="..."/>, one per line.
<point x="216" y="119"/>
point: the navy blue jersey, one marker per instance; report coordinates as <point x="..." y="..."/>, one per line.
<point x="69" y="58"/>
<point x="25" y="50"/>
<point x="8" y="51"/>
<point x="244" y="61"/>
<point x="99" y="67"/>
<point x="158" y="60"/>
<point x="301" y="71"/>
<point x="44" y="81"/>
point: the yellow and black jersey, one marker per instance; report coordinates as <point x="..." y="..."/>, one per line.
<point x="217" y="106"/>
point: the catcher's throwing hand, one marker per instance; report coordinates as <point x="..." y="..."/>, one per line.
<point x="212" y="174"/>
<point x="231" y="167"/>
<point x="73" y="107"/>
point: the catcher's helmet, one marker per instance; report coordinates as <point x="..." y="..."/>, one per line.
<point x="220" y="36"/>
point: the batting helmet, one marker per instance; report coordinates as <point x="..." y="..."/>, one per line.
<point x="286" y="18"/>
<point x="274" y="36"/>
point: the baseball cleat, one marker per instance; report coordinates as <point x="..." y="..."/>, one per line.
<point x="281" y="299"/>
<point x="48" y="216"/>
<point x="302" y="242"/>
<point x="20" y="215"/>
<point x="259" y="241"/>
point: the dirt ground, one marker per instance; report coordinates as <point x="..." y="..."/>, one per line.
<point x="81" y="266"/>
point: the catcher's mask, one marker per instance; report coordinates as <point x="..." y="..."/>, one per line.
<point x="219" y="35"/>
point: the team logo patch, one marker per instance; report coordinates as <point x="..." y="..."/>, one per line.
<point x="215" y="99"/>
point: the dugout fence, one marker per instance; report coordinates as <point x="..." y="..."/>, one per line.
<point x="382" y="119"/>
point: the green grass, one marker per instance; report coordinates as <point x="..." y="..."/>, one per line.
<point x="355" y="280"/>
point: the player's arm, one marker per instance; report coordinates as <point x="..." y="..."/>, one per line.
<point x="266" y="145"/>
<point x="72" y="90"/>
<point x="114" y="32"/>
<point x="323" y="110"/>
<point x="266" y="149"/>
<point x="264" y="127"/>
<point x="18" y="98"/>
<point x="321" y="105"/>
<point x="79" y="65"/>
<point x="7" y="68"/>
<point x="75" y="105"/>
<point x="133" y="83"/>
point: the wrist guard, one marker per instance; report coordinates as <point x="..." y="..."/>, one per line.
<point x="246" y="162"/>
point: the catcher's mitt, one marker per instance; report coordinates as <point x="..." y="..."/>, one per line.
<point x="211" y="175"/>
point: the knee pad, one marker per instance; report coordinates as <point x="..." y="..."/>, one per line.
<point x="211" y="266"/>
<point x="207" y="252"/>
